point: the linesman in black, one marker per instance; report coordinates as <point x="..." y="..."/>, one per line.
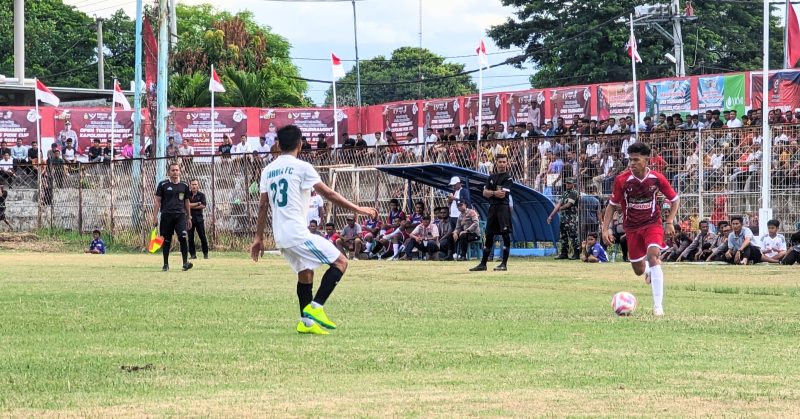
<point x="197" y="202"/>
<point x="172" y="199"/>
<point x="498" y="192"/>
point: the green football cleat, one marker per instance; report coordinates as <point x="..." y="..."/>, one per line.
<point x="314" y="329"/>
<point x="319" y="316"/>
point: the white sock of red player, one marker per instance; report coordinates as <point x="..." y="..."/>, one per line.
<point x="657" y="285"/>
<point x="395" y="249"/>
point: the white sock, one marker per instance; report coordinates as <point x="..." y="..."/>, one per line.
<point x="306" y="321"/>
<point x="657" y="285"/>
<point x="395" y="249"/>
<point x="315" y="304"/>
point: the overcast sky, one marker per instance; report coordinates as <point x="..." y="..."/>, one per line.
<point x="449" y="28"/>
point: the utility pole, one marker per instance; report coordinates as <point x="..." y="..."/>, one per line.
<point x="173" y="25"/>
<point x="653" y="16"/>
<point x="101" y="77"/>
<point x="358" y="66"/>
<point x="19" y="41"/>
<point x="163" y="80"/>
<point x="419" y="60"/>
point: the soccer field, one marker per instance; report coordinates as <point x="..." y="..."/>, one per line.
<point x="414" y="339"/>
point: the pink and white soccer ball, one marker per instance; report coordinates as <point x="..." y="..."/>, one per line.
<point x="623" y="303"/>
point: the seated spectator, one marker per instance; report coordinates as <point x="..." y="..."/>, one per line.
<point x="97" y="246"/>
<point x="592" y="251"/>
<point x="741" y="249"/>
<point x="425" y="238"/>
<point x="127" y="149"/>
<point x="678" y="245"/>
<point x="370" y="234"/>
<point x="415" y="218"/>
<point x="793" y="255"/>
<point x="773" y="245"/>
<point x="3" y="196"/>
<point x="720" y="246"/>
<point x="313" y="228"/>
<point x="467" y="229"/>
<point x="186" y="151"/>
<point x="330" y="233"/>
<point x="95" y="152"/>
<point x="392" y="230"/>
<point x="700" y="248"/>
<point x="445" y="242"/>
<point x="7" y="172"/>
<point x="350" y="239"/>
<point x="619" y="236"/>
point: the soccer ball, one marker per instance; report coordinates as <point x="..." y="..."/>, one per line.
<point x="623" y="303"/>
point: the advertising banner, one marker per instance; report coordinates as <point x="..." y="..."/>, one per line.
<point x="614" y="100"/>
<point x="491" y="110"/>
<point x="311" y="122"/>
<point x="194" y="125"/>
<point x="668" y="97"/>
<point x="784" y="90"/>
<point x="526" y="107"/>
<point x="441" y="113"/>
<point x="83" y="126"/>
<point x="401" y="119"/>
<point x="17" y="123"/>
<point x="569" y="101"/>
<point x="721" y="93"/>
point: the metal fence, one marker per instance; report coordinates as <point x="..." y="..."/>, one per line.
<point x="716" y="172"/>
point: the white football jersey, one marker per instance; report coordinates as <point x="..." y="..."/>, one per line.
<point x="288" y="182"/>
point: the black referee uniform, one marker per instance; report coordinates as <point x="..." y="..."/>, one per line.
<point x="499" y="219"/>
<point x="173" y="218"/>
<point x="198" y="225"/>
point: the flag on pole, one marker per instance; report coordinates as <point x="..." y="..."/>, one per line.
<point x="792" y="37"/>
<point x="43" y="94"/>
<point x="119" y="97"/>
<point x="338" y="68"/>
<point x="483" y="60"/>
<point x="215" y="84"/>
<point x="633" y="49"/>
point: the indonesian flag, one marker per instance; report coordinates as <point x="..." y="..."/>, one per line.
<point x="633" y="49"/>
<point x="119" y="97"/>
<point x="793" y="37"/>
<point x="483" y="60"/>
<point x="215" y="84"/>
<point x="338" y="68"/>
<point x="43" y="94"/>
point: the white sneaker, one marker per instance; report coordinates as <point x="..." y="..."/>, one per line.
<point x="658" y="311"/>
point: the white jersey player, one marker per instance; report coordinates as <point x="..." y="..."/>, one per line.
<point x="286" y="186"/>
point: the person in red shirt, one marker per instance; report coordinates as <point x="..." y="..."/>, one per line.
<point x="635" y="193"/>
<point x="330" y="233"/>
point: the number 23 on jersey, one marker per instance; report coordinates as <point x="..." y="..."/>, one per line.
<point x="279" y="190"/>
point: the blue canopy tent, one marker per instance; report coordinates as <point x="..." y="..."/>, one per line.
<point x="530" y="207"/>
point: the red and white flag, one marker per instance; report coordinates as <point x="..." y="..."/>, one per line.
<point x="215" y="84"/>
<point x="338" y="68"/>
<point x="119" y="97"/>
<point x="43" y="94"/>
<point x="483" y="60"/>
<point x="792" y="37"/>
<point x="633" y="49"/>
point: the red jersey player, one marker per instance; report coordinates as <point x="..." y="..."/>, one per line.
<point x="635" y="193"/>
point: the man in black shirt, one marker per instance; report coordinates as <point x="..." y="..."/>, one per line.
<point x="226" y="147"/>
<point x="498" y="192"/>
<point x="95" y="152"/>
<point x="197" y="202"/>
<point x="3" y="196"/>
<point x="172" y="199"/>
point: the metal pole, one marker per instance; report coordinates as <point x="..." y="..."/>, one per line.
<point x="786" y="35"/>
<point x="163" y="76"/>
<point x="419" y="60"/>
<point x="101" y="77"/>
<point x="701" y="177"/>
<point x="358" y="66"/>
<point x="765" y="213"/>
<point x="173" y="24"/>
<point x="19" y="40"/>
<point x="137" y="89"/>
<point x="635" y="86"/>
<point x="213" y="142"/>
<point x="677" y="34"/>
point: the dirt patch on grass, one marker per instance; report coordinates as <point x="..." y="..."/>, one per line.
<point x="29" y="242"/>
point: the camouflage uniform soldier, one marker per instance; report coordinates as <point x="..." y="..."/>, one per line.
<point x="568" y="206"/>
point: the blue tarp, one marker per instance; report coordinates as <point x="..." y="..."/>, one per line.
<point x="530" y="207"/>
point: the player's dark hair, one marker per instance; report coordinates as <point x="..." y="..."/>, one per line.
<point x="677" y="227"/>
<point x="289" y="138"/>
<point x="313" y="222"/>
<point x="639" y="148"/>
<point x="426" y="218"/>
<point x="722" y="224"/>
<point x="703" y="222"/>
<point x="194" y="180"/>
<point x="173" y="164"/>
<point x="330" y="225"/>
<point x="774" y="223"/>
<point x="796" y="237"/>
<point x="394" y="201"/>
<point x="737" y="218"/>
<point x="96" y="231"/>
<point x="501" y="156"/>
<point x="592" y="235"/>
<point x="420" y="203"/>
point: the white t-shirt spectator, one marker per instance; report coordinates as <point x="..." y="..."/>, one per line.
<point x="592" y="149"/>
<point x="771" y="246"/>
<point x="544" y="147"/>
<point x="242" y="148"/>
<point x="716" y="161"/>
<point x="314" y="205"/>
<point x="734" y="123"/>
<point x="608" y="164"/>
<point x="627" y="143"/>
<point x="754" y="160"/>
<point x="454" y="212"/>
<point x="7" y="165"/>
<point x="612" y="129"/>
<point x="262" y="149"/>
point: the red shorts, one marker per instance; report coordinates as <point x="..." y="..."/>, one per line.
<point x="642" y="239"/>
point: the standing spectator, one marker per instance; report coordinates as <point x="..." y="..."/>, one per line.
<point x="741" y="249"/>
<point x="459" y="194"/>
<point x="19" y="154"/>
<point x="467" y="229"/>
<point x="350" y="239"/>
<point x="424" y="237"/>
<point x="7" y="171"/>
<point x="445" y="242"/>
<point x="591" y="212"/>
<point x="3" y="196"/>
<point x="773" y="245"/>
<point x="568" y="207"/>
<point x="316" y="208"/>
<point x="700" y="248"/>
<point x="592" y="251"/>
<point x="172" y="149"/>
<point x="226" y="147"/>
<point x="97" y="246"/>
<point x="197" y="203"/>
<point x="733" y="121"/>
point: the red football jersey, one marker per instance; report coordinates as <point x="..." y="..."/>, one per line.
<point x="637" y="197"/>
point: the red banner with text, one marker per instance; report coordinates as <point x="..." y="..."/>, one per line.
<point x="526" y="107"/>
<point x="401" y="119"/>
<point x="442" y="113"/>
<point x="194" y="125"/>
<point x="311" y="122"/>
<point x="17" y="124"/>
<point x="568" y="101"/>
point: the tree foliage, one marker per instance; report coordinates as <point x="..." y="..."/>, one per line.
<point x="571" y="42"/>
<point x="439" y="79"/>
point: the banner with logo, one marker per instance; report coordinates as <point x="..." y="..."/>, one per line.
<point x="194" y="125"/>
<point x="441" y="114"/>
<point x="84" y="126"/>
<point x="721" y="93"/>
<point x="491" y="110"/>
<point x="569" y="101"/>
<point x="311" y="122"/>
<point x="526" y="107"/>
<point x="17" y="124"/>
<point x="401" y="119"/>
<point x="614" y="100"/>
<point x="784" y="90"/>
<point x="668" y="96"/>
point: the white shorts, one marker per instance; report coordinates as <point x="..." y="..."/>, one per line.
<point x="314" y="252"/>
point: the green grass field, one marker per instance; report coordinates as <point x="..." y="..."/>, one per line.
<point x="414" y="339"/>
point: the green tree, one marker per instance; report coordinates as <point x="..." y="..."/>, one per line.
<point x="570" y="42"/>
<point x="398" y="78"/>
<point x="119" y="35"/>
